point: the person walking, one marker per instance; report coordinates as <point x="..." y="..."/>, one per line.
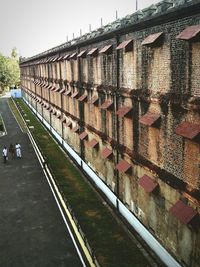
<point x="18" y="150"/>
<point x="12" y="151"/>
<point x="5" y="154"/>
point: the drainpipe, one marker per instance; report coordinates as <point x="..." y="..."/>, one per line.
<point x="81" y="107"/>
<point x="48" y="68"/>
<point x="41" y="95"/>
<point x="35" y="86"/>
<point x="61" y="102"/>
<point x="117" y="121"/>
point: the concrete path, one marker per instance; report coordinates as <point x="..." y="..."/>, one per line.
<point x="32" y="231"/>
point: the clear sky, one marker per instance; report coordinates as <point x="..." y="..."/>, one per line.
<point x="33" y="26"/>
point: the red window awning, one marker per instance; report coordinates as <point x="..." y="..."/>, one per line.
<point x="82" y="98"/>
<point x="82" y="54"/>
<point x="107" y="104"/>
<point x="68" y="92"/>
<point x="69" y="124"/>
<point x="127" y="45"/>
<point x="183" y="212"/>
<point x="66" y="57"/>
<point x="152" y="38"/>
<point x="75" y="94"/>
<point x="62" y="91"/>
<point x="123" y="111"/>
<point x="63" y="120"/>
<point x="83" y="135"/>
<point x="123" y="166"/>
<point x="75" y="129"/>
<point x="149" y="118"/>
<point x="106" y="49"/>
<point x="94" y="99"/>
<point x="93" y="143"/>
<point x="73" y="56"/>
<point x="188" y="130"/>
<point x="93" y="52"/>
<point x="189" y="33"/>
<point x="148" y="183"/>
<point x="106" y="153"/>
<point x="57" y="89"/>
<point x="60" y="58"/>
<point x="55" y="59"/>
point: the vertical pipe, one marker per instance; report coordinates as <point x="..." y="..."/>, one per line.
<point x="117" y="119"/>
<point x="81" y="107"/>
<point x="61" y="101"/>
<point x="48" y="69"/>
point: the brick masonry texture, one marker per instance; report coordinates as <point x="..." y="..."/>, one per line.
<point x="162" y="78"/>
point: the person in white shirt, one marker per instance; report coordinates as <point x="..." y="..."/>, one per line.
<point x="5" y="154"/>
<point x="18" y="150"/>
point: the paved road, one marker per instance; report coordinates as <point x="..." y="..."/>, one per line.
<point x="32" y="232"/>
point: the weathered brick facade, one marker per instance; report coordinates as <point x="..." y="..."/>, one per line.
<point x="133" y="99"/>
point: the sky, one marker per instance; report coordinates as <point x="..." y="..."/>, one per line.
<point x="34" y="26"/>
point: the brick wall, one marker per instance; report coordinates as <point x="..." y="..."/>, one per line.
<point x="162" y="77"/>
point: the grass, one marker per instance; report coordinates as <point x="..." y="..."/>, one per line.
<point x="17" y="115"/>
<point x="111" y="244"/>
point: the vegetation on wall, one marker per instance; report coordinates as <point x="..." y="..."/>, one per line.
<point x="9" y="70"/>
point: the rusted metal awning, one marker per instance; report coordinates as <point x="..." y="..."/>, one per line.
<point x="82" y="98"/>
<point x="123" y="111"/>
<point x="83" y="136"/>
<point x="55" y="59"/>
<point x="183" y="212"/>
<point x="148" y="183"/>
<point x="60" y="58"/>
<point x="152" y="38"/>
<point x="62" y="91"/>
<point x="75" y="94"/>
<point x="63" y="120"/>
<point x="107" y="104"/>
<point x="123" y="166"/>
<point x="66" y="56"/>
<point x="68" y="92"/>
<point x="93" y="52"/>
<point x="106" y="153"/>
<point x="69" y="124"/>
<point x="82" y="53"/>
<point x="189" y="33"/>
<point x="76" y="129"/>
<point x="93" y="143"/>
<point x="94" y="99"/>
<point x="57" y="90"/>
<point x="149" y="118"/>
<point x="106" y="49"/>
<point x="188" y="130"/>
<point x="73" y="56"/>
<point x="127" y="45"/>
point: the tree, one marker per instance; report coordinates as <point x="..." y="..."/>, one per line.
<point x="14" y="54"/>
<point x="9" y="70"/>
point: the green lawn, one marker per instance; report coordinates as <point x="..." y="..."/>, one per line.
<point x="111" y="244"/>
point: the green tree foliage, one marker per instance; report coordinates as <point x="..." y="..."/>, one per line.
<point x="9" y="70"/>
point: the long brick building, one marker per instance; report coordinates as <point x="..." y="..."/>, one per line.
<point x="124" y="101"/>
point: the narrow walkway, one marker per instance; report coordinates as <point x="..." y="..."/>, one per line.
<point x="32" y="231"/>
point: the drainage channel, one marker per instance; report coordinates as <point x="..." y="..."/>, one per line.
<point x="2" y="127"/>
